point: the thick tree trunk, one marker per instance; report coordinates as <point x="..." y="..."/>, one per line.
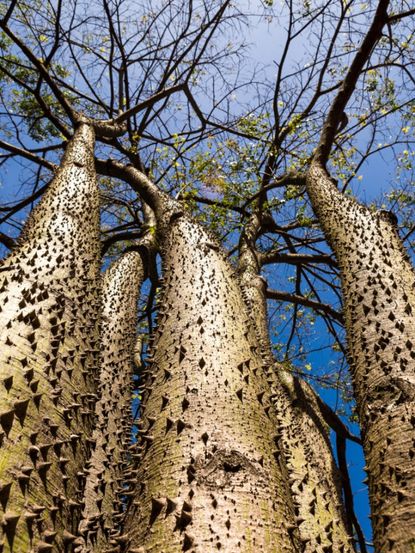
<point x="105" y="483"/>
<point x="379" y="302"/>
<point x="314" y="478"/>
<point x="48" y="358"/>
<point x="210" y="478"/>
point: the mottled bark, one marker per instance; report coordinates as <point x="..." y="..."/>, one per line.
<point x="210" y="477"/>
<point x="304" y="437"/>
<point x="107" y="480"/>
<point x="48" y="358"/>
<point x="379" y="302"/>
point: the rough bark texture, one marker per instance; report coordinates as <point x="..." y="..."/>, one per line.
<point x="379" y="302"/>
<point x="107" y="481"/>
<point x="48" y="358"/>
<point x="210" y="478"/>
<point x="313" y="475"/>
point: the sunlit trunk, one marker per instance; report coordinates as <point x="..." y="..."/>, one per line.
<point x="48" y="358"/>
<point x="210" y="478"/>
<point x="379" y="302"/>
<point x="106" y="481"/>
<point x="304" y="437"/>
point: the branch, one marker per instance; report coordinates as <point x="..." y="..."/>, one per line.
<point x="296" y="299"/>
<point x="41" y="67"/>
<point x="28" y="155"/>
<point x="348" y="493"/>
<point x="128" y="235"/>
<point x="7" y="241"/>
<point x="295" y="258"/>
<point x="209" y="201"/>
<point x="147" y="103"/>
<point x="138" y="181"/>
<point x="9" y="12"/>
<point x="335" y="422"/>
<point x="398" y="16"/>
<point x="336" y="111"/>
<point x="290" y="179"/>
<point x="102" y="128"/>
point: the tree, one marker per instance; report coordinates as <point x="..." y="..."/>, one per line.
<point x="377" y="283"/>
<point x="104" y="483"/>
<point x="49" y="354"/>
<point x="233" y="448"/>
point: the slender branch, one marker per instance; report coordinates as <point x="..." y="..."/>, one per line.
<point x="7" y="241"/>
<point x="41" y="67"/>
<point x="398" y="16"/>
<point x="102" y="128"/>
<point x="336" y="111"/>
<point x="290" y="179"/>
<point x="28" y="155"/>
<point x="335" y="422"/>
<point x="8" y="13"/>
<point x="297" y="299"/>
<point x="347" y="489"/>
<point x="120" y="236"/>
<point x="146" y="104"/>
<point x="408" y="234"/>
<point x="211" y="201"/>
<point x="295" y="258"/>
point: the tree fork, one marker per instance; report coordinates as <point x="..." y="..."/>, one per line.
<point x="49" y="357"/>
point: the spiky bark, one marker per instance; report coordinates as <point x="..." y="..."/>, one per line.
<point x="48" y="358"/>
<point x="106" y="480"/>
<point x="313" y="475"/>
<point x="379" y="302"/>
<point x="210" y="477"/>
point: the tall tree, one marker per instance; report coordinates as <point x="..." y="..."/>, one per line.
<point x="303" y="424"/>
<point x="378" y="288"/>
<point x="49" y="357"/>
<point x="209" y="465"/>
<point x="107" y="466"/>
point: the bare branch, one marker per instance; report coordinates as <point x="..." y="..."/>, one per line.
<point x="28" y="155"/>
<point x="336" y="112"/>
<point x="8" y="13"/>
<point x="145" y="104"/>
<point x="295" y="258"/>
<point x="7" y="241"/>
<point x="398" y="16"/>
<point x="297" y="299"/>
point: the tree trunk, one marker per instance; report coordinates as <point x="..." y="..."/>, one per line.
<point x="379" y="302"/>
<point x="105" y="483"/>
<point x="48" y="358"/>
<point x="210" y="477"/>
<point x="314" y="478"/>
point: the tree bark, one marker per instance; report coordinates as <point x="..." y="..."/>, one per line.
<point x="49" y="358"/>
<point x="379" y="301"/>
<point x="210" y="477"/>
<point x="107" y="474"/>
<point x="314" y="477"/>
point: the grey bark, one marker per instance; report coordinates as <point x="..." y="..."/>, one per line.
<point x="49" y="358"/>
<point x="304" y="437"/>
<point x="110" y="462"/>
<point x="379" y="301"/>
<point x="210" y="477"/>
